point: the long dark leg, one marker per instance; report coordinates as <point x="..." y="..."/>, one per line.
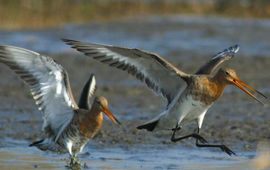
<point x="222" y="147"/>
<point x="193" y="135"/>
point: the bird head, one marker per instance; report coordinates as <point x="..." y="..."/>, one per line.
<point x="230" y="77"/>
<point x="102" y="104"/>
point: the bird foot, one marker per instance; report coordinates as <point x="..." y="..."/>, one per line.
<point x="227" y="150"/>
<point x="223" y="148"/>
<point x="74" y="164"/>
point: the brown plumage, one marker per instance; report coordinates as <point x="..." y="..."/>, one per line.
<point x="94" y="116"/>
<point x="207" y="88"/>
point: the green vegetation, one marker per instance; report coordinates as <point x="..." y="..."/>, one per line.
<point x="41" y="13"/>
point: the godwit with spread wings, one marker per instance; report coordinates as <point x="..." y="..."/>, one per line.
<point x="67" y="127"/>
<point x="200" y="90"/>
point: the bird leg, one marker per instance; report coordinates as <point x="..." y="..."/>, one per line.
<point x="194" y="135"/>
<point x="176" y="128"/>
<point x="224" y="148"/>
<point x="74" y="161"/>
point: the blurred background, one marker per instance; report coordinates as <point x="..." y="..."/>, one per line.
<point x="46" y="13"/>
<point x="185" y="32"/>
<point x="182" y="24"/>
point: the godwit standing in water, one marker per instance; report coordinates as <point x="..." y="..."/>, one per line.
<point x="201" y="90"/>
<point x="67" y="127"/>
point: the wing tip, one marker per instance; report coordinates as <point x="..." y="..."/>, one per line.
<point x="35" y="143"/>
<point x="234" y="48"/>
<point x="69" y="41"/>
<point x="228" y="52"/>
<point x="93" y="82"/>
<point x="88" y="91"/>
<point x="148" y="126"/>
<point x="92" y="76"/>
<point x="7" y="49"/>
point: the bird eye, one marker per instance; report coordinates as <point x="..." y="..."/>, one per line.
<point x="227" y="73"/>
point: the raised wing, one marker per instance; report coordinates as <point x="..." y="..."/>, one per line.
<point x="87" y="94"/>
<point x="216" y="61"/>
<point x="49" y="85"/>
<point x="157" y="73"/>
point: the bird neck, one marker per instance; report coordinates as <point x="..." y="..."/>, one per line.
<point x="96" y="114"/>
<point x="217" y="84"/>
<point x="91" y="122"/>
<point x="95" y="110"/>
<point x="219" y="80"/>
<point x="205" y="89"/>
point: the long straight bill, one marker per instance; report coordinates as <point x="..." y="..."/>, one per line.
<point x="111" y="116"/>
<point x="251" y="88"/>
<point x="241" y="85"/>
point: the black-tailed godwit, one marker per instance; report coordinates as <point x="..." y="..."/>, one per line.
<point x="189" y="96"/>
<point x="67" y="127"/>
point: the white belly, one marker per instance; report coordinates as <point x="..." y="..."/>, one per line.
<point x="184" y="110"/>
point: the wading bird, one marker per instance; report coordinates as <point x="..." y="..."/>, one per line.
<point x="67" y="127"/>
<point x="189" y="96"/>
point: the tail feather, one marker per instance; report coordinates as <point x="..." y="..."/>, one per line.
<point x="149" y="126"/>
<point x="152" y="124"/>
<point x="48" y="144"/>
<point x="36" y="143"/>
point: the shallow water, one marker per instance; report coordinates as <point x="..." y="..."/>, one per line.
<point x="119" y="157"/>
<point x="189" y="34"/>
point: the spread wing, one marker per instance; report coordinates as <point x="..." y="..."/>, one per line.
<point x="87" y="94"/>
<point x="48" y="82"/>
<point x="216" y="61"/>
<point x="156" y="72"/>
